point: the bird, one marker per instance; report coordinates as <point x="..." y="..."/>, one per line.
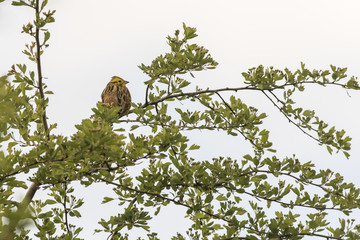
<point x="117" y="94"/>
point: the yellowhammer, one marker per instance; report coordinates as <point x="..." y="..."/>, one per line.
<point x="117" y="94"/>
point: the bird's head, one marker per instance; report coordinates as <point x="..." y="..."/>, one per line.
<point x="118" y="81"/>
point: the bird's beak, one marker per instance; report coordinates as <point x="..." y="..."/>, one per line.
<point x="126" y="82"/>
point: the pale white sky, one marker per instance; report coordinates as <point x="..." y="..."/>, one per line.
<point x="92" y="41"/>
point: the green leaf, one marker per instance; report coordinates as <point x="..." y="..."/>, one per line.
<point x="46" y="36"/>
<point x="43" y="4"/>
<point x="107" y="199"/>
<point x="133" y="127"/>
<point x="50" y="201"/>
<point x="194" y="147"/>
<point x="184" y="84"/>
<point x="75" y="213"/>
<point x="221" y="197"/>
<point x="198" y="215"/>
<point x="157" y="210"/>
<point x="19" y="3"/>
<point x="209" y="198"/>
<point x="330" y="150"/>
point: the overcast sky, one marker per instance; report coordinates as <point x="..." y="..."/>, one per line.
<point x="94" y="40"/>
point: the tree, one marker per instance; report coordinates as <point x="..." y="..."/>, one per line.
<point x="259" y="196"/>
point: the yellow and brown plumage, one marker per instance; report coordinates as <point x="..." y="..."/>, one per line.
<point x="117" y="94"/>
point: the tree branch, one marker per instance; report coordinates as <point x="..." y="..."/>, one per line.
<point x="214" y="91"/>
<point x="312" y="184"/>
<point x="38" y="64"/>
<point x="164" y="198"/>
<point x="183" y="127"/>
<point x="162" y="125"/>
<point x="34" y="186"/>
<point x="190" y="94"/>
<point x="65" y="209"/>
<point x="8" y="232"/>
<point x="289" y="119"/>
<point x="211" y="214"/>
<point x="226" y="104"/>
<point x="147" y="94"/>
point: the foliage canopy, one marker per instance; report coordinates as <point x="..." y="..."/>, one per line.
<point x="259" y="196"/>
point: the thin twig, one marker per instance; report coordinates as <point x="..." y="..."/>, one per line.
<point x="183" y="127"/>
<point x="242" y="133"/>
<point x="147" y="94"/>
<point x="278" y="100"/>
<point x="182" y="94"/>
<point x="228" y="106"/>
<point x="164" y="198"/>
<point x="172" y="148"/>
<point x="169" y="85"/>
<point x="289" y="119"/>
<point x="65" y="208"/>
<point x="38" y="64"/>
